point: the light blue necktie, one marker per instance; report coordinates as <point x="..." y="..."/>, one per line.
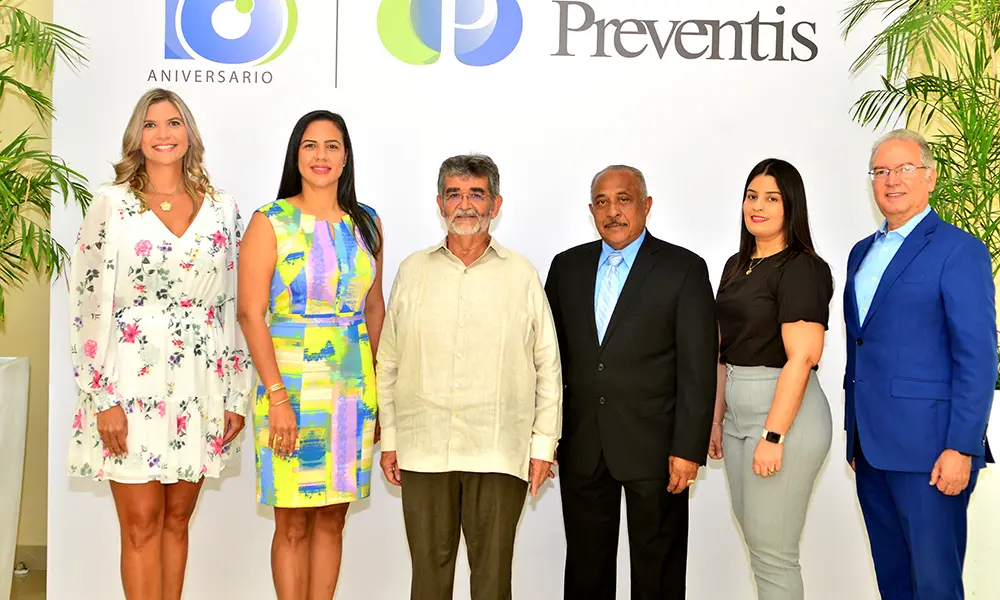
<point x="608" y="295"/>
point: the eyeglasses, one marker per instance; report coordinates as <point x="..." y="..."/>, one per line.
<point x="473" y="197"/>
<point x="902" y="170"/>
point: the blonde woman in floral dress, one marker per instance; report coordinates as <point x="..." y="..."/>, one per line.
<point x="161" y="365"/>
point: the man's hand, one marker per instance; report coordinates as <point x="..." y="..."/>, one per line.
<point x="951" y="472"/>
<point x="683" y="474"/>
<point x="390" y="467"/>
<point x="538" y="471"/>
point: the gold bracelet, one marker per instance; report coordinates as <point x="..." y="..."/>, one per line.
<point x="278" y="403"/>
<point x="274" y="388"/>
<point x="714" y="423"/>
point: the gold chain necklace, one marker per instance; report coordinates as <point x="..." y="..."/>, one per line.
<point x="166" y="205"/>
<point x="759" y="260"/>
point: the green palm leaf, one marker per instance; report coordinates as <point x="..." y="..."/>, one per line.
<point x="29" y="176"/>
<point x="957" y="96"/>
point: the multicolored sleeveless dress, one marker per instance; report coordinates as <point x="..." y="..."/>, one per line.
<point x="322" y="276"/>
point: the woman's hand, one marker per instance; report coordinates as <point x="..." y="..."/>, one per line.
<point x="715" y="442"/>
<point x="233" y="426"/>
<point x="767" y="458"/>
<point x="283" y="428"/>
<point x="112" y="426"/>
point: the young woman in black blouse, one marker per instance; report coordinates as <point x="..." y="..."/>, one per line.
<point x="772" y="417"/>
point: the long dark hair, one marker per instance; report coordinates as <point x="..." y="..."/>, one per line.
<point x="347" y="197"/>
<point x="793" y="200"/>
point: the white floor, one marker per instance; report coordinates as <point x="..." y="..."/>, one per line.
<point x="982" y="562"/>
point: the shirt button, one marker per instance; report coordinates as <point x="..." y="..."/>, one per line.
<point x="602" y="400"/>
<point x="463" y="297"/>
<point x="459" y="355"/>
<point x="860" y="341"/>
<point x="600" y="366"/>
<point x="456" y="384"/>
<point x="461" y="325"/>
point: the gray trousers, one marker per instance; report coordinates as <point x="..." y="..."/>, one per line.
<point x="772" y="511"/>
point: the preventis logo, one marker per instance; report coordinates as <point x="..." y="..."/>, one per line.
<point x="476" y="32"/>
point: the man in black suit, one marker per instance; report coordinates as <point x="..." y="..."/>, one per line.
<point x="638" y="339"/>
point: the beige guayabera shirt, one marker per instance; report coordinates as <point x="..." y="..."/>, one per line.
<point x="468" y="365"/>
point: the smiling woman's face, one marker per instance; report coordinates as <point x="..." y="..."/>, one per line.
<point x="164" y="134"/>
<point x="764" y="208"/>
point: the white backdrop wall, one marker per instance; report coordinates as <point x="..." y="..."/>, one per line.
<point x="568" y="100"/>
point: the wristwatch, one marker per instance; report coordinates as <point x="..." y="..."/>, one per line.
<point x="773" y="437"/>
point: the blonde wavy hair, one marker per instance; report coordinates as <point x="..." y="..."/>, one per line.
<point x="131" y="169"/>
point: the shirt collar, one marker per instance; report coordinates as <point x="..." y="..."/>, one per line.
<point x="628" y="252"/>
<point x="908" y="227"/>
<point x="494" y="245"/>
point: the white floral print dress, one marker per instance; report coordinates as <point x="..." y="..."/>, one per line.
<point x="154" y="330"/>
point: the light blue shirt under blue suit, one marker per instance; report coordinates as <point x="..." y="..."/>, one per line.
<point x="628" y="259"/>
<point x="877" y="260"/>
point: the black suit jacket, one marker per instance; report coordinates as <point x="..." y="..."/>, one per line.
<point x="648" y="392"/>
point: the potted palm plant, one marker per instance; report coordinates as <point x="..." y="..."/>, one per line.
<point x="942" y="75"/>
<point x="29" y="175"/>
<point x="29" y="178"/>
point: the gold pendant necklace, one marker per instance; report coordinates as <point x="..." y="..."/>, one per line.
<point x="166" y="205"/>
<point x="760" y="260"/>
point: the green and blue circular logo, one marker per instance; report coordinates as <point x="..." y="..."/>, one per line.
<point x="229" y="31"/>
<point x="486" y="31"/>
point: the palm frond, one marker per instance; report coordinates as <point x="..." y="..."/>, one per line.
<point x="39" y="101"/>
<point x="924" y="27"/>
<point x="29" y="176"/>
<point x="956" y="97"/>
<point x="28" y="179"/>
<point x="38" y="42"/>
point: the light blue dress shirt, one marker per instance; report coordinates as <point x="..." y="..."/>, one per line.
<point x="877" y="260"/>
<point x="628" y="259"/>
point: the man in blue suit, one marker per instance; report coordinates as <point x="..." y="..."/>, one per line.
<point x="920" y="312"/>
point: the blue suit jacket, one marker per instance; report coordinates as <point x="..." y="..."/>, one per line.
<point x="922" y="368"/>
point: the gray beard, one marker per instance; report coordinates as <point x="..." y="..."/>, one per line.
<point x="480" y="225"/>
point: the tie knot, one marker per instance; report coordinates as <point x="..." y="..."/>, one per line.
<point x="615" y="259"/>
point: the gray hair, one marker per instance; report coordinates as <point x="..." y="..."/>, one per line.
<point x="632" y="170"/>
<point x="926" y="154"/>
<point x="470" y="165"/>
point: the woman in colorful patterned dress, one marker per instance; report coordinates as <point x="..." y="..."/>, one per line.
<point x="158" y="356"/>
<point x="312" y="260"/>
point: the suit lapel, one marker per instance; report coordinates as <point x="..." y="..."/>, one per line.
<point x="644" y="261"/>
<point x="911" y="247"/>
<point x="850" y="292"/>
<point x="851" y="303"/>
<point x="588" y="288"/>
